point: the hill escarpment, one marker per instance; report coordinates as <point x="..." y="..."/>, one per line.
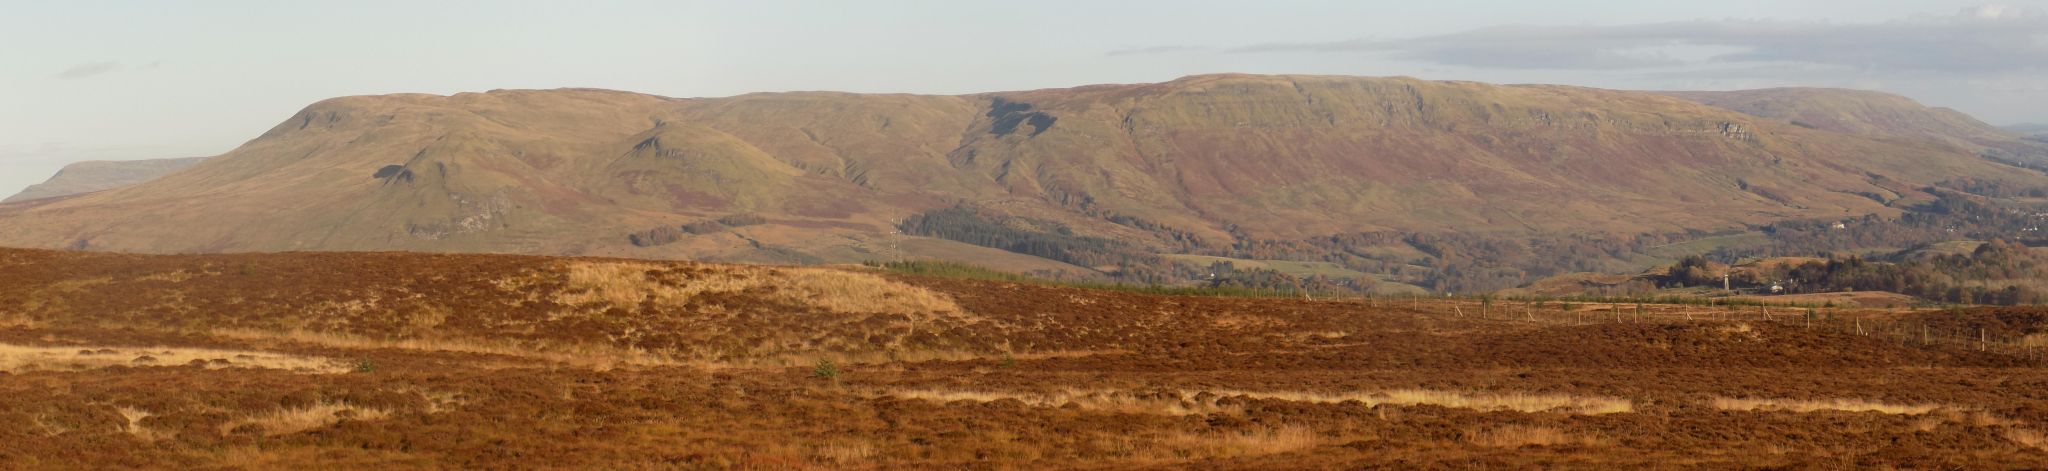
<point x="1204" y="161"/>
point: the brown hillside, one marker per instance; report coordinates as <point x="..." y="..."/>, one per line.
<point x="575" y="171"/>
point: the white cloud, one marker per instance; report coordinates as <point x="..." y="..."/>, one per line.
<point x="1978" y="40"/>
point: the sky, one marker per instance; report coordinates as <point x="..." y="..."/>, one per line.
<point x="120" y="80"/>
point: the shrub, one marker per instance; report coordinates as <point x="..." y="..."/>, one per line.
<point x="656" y="236"/>
<point x="826" y="369"/>
<point x="742" y="220"/>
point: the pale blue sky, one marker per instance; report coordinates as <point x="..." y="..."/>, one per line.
<point x="83" y="80"/>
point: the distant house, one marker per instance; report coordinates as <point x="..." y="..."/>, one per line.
<point x="1839" y="225"/>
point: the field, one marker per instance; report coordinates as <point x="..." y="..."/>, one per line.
<point x="1300" y="270"/>
<point x="416" y="361"/>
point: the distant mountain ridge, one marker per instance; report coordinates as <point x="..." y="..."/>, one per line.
<point x="100" y="175"/>
<point x="1202" y="161"/>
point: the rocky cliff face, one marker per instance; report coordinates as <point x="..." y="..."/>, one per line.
<point x="1211" y="157"/>
<point x="91" y="176"/>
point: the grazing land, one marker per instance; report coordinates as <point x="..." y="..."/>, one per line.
<point x="420" y="361"/>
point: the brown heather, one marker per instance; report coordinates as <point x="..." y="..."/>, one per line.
<point x="416" y="361"/>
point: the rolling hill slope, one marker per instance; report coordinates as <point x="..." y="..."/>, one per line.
<point x="1201" y="161"/>
<point x="98" y="175"/>
<point x="1877" y="114"/>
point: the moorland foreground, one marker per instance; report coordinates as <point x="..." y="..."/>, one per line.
<point x="390" y="360"/>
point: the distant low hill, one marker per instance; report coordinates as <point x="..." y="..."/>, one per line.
<point x="1377" y="175"/>
<point x="1876" y="114"/>
<point x="99" y="175"/>
<point x="2033" y="130"/>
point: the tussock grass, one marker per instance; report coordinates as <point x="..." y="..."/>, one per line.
<point x="1587" y="405"/>
<point x="627" y="284"/>
<point x="1518" y="436"/>
<point x="1816" y="405"/>
<point x="20" y="358"/>
<point x="291" y="420"/>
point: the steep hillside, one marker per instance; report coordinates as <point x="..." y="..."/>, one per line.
<point x="1875" y="114"/>
<point x="1202" y="161"/>
<point x="91" y="176"/>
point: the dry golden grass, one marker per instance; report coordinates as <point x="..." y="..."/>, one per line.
<point x="1517" y="436"/>
<point x="843" y="453"/>
<point x="1815" y="405"/>
<point x="2029" y="438"/>
<point x="599" y="357"/>
<point x="1254" y="442"/>
<point x="607" y="357"/>
<point x="134" y="425"/>
<point x="1589" y="405"/>
<point x="1094" y="400"/>
<point x="174" y="276"/>
<point x="626" y="284"/>
<point x="20" y="358"/>
<point x="1186" y="402"/>
<point x="298" y="419"/>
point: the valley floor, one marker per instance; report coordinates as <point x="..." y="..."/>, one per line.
<point x="412" y="361"/>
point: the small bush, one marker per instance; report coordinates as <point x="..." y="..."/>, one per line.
<point x="742" y="220"/>
<point x="656" y="236"/>
<point x="826" y="369"/>
<point x="366" y="365"/>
